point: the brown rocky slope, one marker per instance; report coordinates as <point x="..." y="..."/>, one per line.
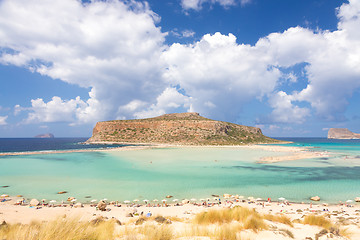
<point x="177" y="128"/>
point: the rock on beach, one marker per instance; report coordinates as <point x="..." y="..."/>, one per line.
<point x="316" y="198"/>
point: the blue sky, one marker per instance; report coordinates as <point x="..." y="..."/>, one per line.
<point x="288" y="67"/>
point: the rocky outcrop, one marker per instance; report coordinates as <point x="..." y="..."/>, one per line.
<point x="316" y="198"/>
<point x="46" y="135"/>
<point x="177" y="128"/>
<point x="342" y="133"/>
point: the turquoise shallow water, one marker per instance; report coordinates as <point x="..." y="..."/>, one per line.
<point x="182" y="172"/>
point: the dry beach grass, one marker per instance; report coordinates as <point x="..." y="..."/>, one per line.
<point x="219" y="224"/>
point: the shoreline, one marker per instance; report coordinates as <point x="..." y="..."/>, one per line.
<point x="141" y="146"/>
<point x="295" y="153"/>
<point x="10" y="208"/>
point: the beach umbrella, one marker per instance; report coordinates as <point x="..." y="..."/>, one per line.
<point x="193" y="199"/>
<point x="349" y="201"/>
<point x="4" y="195"/>
<point x="185" y="201"/>
<point x="74" y="200"/>
<point x="164" y="200"/>
<point x="126" y="201"/>
<point x="146" y="201"/>
<point x="241" y="197"/>
<point x="175" y="200"/>
<point x="282" y="198"/>
<point x="258" y="199"/>
<point x="250" y="198"/>
<point x="155" y="200"/>
<point x="53" y="201"/>
<point x="104" y="199"/>
<point x="136" y="200"/>
<point x="226" y="195"/>
<point x="94" y="200"/>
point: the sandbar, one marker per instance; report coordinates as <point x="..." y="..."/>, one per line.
<point x="292" y="153"/>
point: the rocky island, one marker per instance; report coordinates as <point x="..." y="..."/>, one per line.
<point x="342" y="133"/>
<point x="177" y="128"/>
<point x="46" y="135"/>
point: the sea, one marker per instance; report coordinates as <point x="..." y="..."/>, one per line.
<point x="182" y="172"/>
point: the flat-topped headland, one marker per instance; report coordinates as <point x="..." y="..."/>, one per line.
<point x="342" y="133"/>
<point x="177" y="128"/>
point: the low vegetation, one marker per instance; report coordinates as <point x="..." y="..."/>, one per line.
<point x="62" y="228"/>
<point x="230" y="224"/>
<point x="250" y="219"/>
<point x="147" y="231"/>
<point x="320" y="221"/>
<point x="281" y="218"/>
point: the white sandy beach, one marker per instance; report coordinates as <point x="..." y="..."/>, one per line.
<point x="343" y="215"/>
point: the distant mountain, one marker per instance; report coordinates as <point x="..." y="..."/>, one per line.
<point x="46" y="135"/>
<point x="342" y="133"/>
<point x="177" y="128"/>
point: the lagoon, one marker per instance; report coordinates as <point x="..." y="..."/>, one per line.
<point x="183" y="172"/>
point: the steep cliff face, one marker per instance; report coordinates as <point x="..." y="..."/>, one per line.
<point x="342" y="133"/>
<point x="177" y="128"/>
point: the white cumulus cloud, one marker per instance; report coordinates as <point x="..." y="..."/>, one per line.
<point x="332" y="59"/>
<point x="3" y="120"/>
<point x="284" y="109"/>
<point x="118" y="51"/>
<point x="112" y="47"/>
<point x="168" y="101"/>
<point x="219" y="74"/>
<point x="197" y="4"/>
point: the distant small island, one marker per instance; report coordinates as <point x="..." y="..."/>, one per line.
<point x="342" y="133"/>
<point x="46" y="135"/>
<point x="178" y="128"/>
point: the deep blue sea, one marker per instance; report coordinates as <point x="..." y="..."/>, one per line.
<point x="47" y="144"/>
<point x="188" y="172"/>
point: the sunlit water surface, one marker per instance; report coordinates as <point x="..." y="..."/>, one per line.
<point x="193" y="172"/>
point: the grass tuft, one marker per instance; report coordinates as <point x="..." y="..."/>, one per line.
<point x="61" y="228"/>
<point x="148" y="231"/>
<point x="228" y="231"/>
<point x="287" y="232"/>
<point x="249" y="219"/>
<point x="255" y="224"/>
<point x="320" y="221"/>
<point x="279" y="218"/>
